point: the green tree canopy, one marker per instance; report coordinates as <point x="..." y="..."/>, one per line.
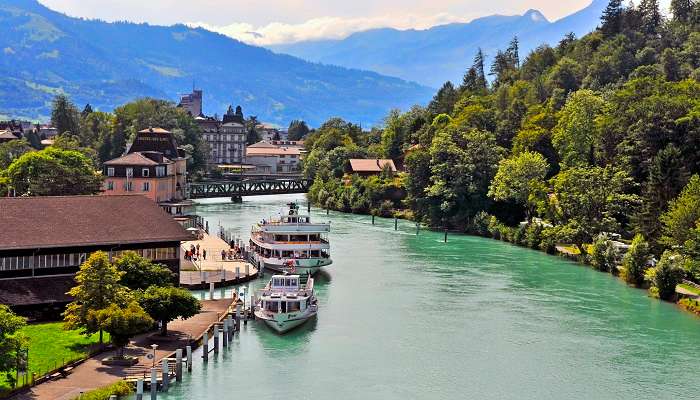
<point x="519" y="178"/>
<point x="65" y="117"/>
<point x="574" y="137"/>
<point x="665" y="276"/>
<point x="122" y="323"/>
<point x="138" y="273"/>
<point x="636" y="261"/>
<point x="297" y="130"/>
<point x="165" y="304"/>
<point x="53" y="172"/>
<point x="682" y="216"/>
<point x="10" y="338"/>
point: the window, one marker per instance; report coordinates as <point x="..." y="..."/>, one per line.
<point x="128" y="186"/>
<point x="146" y="186"/>
<point x="160" y="171"/>
<point x="129" y="172"/>
<point x="110" y="185"/>
<point x="145" y="172"/>
<point x="110" y="171"/>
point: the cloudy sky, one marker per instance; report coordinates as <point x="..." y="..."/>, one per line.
<point x="282" y="21"/>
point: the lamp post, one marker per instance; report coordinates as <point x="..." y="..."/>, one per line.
<point x="154" y="347"/>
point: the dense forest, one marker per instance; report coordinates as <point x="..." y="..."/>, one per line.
<point x="594" y="138"/>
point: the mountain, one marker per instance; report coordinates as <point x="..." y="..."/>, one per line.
<point x="441" y="53"/>
<point x="43" y="52"/>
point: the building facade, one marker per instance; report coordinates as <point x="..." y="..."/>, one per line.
<point x="269" y="158"/>
<point x="192" y="102"/>
<point x="226" y="138"/>
<point x="50" y="237"/>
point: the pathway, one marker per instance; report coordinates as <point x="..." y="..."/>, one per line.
<point x="92" y="374"/>
<point x="215" y="268"/>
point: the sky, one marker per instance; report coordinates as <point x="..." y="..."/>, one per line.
<point x="266" y="22"/>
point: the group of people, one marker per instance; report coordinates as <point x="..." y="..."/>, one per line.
<point x="233" y="253"/>
<point x="193" y="254"/>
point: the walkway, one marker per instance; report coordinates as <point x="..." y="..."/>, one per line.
<point x="221" y="271"/>
<point x="92" y="374"/>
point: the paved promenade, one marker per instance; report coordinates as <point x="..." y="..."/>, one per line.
<point x="92" y="374"/>
<point x="215" y="268"/>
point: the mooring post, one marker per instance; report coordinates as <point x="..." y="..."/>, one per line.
<point x="154" y="383"/>
<point x="247" y="269"/>
<point x="308" y="206"/>
<point x="178" y="365"/>
<point x="188" y="349"/>
<point x="139" y="389"/>
<point x="232" y="328"/>
<point x="225" y="335"/>
<point x="166" y="375"/>
<point x="396" y="223"/>
<point x="205" y="347"/>
<point x="372" y="219"/>
<point x="238" y="272"/>
<point x="417" y="227"/>
<point x="328" y="211"/>
<point x="211" y="290"/>
<point x="216" y="340"/>
<point x="445" y="235"/>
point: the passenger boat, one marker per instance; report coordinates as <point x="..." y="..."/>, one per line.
<point x="286" y="302"/>
<point x="291" y="243"/>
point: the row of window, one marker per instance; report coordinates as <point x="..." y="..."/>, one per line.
<point x="145" y="172"/>
<point x="75" y="259"/>
<point x="225" y="138"/>
<point x="129" y="186"/>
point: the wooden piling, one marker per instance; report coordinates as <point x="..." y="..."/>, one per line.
<point x="216" y="340"/>
<point x="154" y="383"/>
<point x="372" y="219"/>
<point x="396" y="223"/>
<point x="178" y="365"/>
<point x="166" y="374"/>
<point x="139" y="389"/>
<point x="211" y="290"/>
<point x="205" y="347"/>
<point x="445" y="235"/>
<point x="188" y="350"/>
<point x="225" y="335"/>
<point x="231" y="328"/>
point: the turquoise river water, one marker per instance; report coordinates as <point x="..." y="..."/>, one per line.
<point x="406" y="316"/>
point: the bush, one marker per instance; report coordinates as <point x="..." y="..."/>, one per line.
<point x="635" y="262"/>
<point x="533" y="236"/>
<point x="691" y="305"/>
<point x="494" y="227"/>
<point x="603" y="255"/>
<point x="665" y="276"/>
<point x="121" y="388"/>
<point x="386" y="209"/>
<point x="548" y="240"/>
<point x="519" y="234"/>
<point x="481" y="222"/>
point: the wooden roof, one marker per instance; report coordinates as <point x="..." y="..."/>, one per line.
<point x="77" y="221"/>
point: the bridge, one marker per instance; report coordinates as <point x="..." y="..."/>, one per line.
<point x="250" y="187"/>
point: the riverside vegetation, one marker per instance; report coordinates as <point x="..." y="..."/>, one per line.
<point x="594" y="138"/>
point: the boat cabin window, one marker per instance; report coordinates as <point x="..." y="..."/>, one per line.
<point x="293" y="306"/>
<point x="285" y="282"/>
<point x="271" y="305"/>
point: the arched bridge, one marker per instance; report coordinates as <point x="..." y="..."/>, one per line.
<point x="253" y="187"/>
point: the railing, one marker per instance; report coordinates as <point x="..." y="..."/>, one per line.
<point x="211" y="189"/>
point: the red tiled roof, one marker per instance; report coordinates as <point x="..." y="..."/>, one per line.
<point x="272" y="151"/>
<point x="135" y="159"/>
<point x="154" y="130"/>
<point x="71" y="221"/>
<point x="373" y="165"/>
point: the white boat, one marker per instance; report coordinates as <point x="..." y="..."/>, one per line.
<point x="291" y="243"/>
<point x="286" y="302"/>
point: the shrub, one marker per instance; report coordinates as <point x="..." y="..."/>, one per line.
<point x="533" y="236"/>
<point x="665" y="276"/>
<point x="494" y="227"/>
<point x="121" y="388"/>
<point x="548" y="240"/>
<point x="603" y="255"/>
<point x="635" y="262"/>
<point x="519" y="234"/>
<point x="386" y="209"/>
<point x="691" y="305"/>
<point x="481" y="222"/>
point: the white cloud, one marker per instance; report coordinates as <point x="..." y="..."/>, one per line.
<point x="324" y="27"/>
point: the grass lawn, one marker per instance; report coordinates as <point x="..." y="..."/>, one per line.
<point x="50" y="347"/>
<point x="690" y="288"/>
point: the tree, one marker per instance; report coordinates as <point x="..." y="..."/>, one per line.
<point x="651" y="16"/>
<point x="64" y="115"/>
<point x="682" y="10"/>
<point x="12" y="150"/>
<point x="393" y="135"/>
<point x="139" y="273"/>
<point x="682" y="216"/>
<point x="665" y="276"/>
<point x="297" y="130"/>
<point x="636" y="261"/>
<point x="444" y="101"/>
<point x="11" y="339"/>
<point x="474" y="80"/>
<point x="575" y="136"/>
<point x="165" y="304"/>
<point x="122" y="323"/>
<point x="53" y="172"/>
<point x="603" y="255"/>
<point x="612" y="18"/>
<point x="519" y="178"/>
<point x="565" y="75"/>
<point x="97" y="288"/>
<point x="671" y="66"/>
<point x="589" y="201"/>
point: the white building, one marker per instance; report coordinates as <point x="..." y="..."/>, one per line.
<point x="269" y="158"/>
<point x="226" y="139"/>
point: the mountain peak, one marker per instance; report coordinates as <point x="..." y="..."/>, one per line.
<point x="535" y="16"/>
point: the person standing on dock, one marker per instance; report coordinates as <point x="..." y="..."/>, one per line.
<point x="204" y="254"/>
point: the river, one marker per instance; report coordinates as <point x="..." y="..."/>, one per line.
<point x="406" y="316"/>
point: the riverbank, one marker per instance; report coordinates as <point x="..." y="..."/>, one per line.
<point x="92" y="374"/>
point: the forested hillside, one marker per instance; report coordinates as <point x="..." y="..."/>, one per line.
<point x="597" y="135"/>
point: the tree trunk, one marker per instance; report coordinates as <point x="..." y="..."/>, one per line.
<point x="101" y="337"/>
<point x="163" y="328"/>
<point x="119" y="353"/>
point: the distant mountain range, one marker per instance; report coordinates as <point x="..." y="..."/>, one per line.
<point x="433" y="56"/>
<point x="43" y="52"/>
